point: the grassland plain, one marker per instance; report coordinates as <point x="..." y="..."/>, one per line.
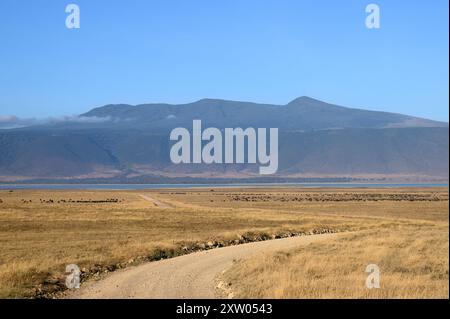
<point x="413" y="256"/>
<point x="41" y="231"/>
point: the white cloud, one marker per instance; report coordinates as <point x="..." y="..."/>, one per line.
<point x="11" y="121"/>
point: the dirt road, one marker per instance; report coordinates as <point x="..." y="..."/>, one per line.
<point x="188" y="276"/>
<point x="156" y="202"/>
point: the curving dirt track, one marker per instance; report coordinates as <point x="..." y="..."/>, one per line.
<point x="188" y="276"/>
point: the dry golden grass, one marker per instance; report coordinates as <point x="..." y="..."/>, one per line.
<point x="38" y="238"/>
<point x="413" y="259"/>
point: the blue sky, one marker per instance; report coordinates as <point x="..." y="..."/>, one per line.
<point x="264" y="51"/>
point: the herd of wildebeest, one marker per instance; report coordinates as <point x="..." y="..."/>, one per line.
<point x="338" y="197"/>
<point x="71" y="201"/>
<point x="281" y="197"/>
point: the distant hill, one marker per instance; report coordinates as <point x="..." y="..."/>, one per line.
<point x="317" y="139"/>
<point x="301" y="114"/>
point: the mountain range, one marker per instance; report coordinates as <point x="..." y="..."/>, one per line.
<point x="317" y="140"/>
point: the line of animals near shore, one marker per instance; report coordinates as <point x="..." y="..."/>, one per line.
<point x="70" y="201"/>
